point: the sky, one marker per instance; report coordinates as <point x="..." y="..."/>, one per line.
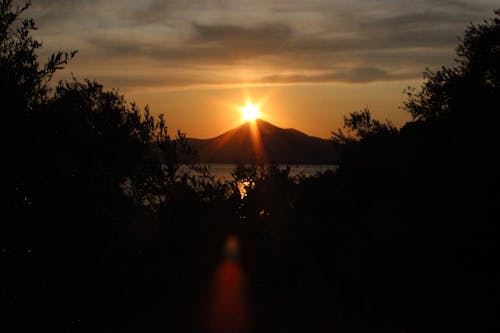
<point x="306" y="63"/>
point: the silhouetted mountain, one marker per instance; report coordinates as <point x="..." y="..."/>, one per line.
<point x="262" y="141"/>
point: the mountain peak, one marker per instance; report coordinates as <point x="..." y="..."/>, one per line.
<point x="264" y="128"/>
<point x="262" y="122"/>
<point x="265" y="142"/>
<point x="258" y="122"/>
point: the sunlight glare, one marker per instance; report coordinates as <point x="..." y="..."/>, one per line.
<point x="250" y="111"/>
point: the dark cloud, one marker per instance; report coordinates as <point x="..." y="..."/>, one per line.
<point x="311" y="41"/>
<point x="208" y="45"/>
<point x="64" y="3"/>
<point x="278" y="44"/>
<point x="152" y="12"/>
<point x="56" y="7"/>
<point x="51" y="15"/>
<point x="123" y="49"/>
<point x="135" y="81"/>
<point x="240" y="42"/>
<point x="355" y="75"/>
<point x="369" y="40"/>
<point x="267" y="33"/>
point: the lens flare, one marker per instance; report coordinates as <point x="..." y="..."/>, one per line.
<point x="250" y="111"/>
<point x="229" y="310"/>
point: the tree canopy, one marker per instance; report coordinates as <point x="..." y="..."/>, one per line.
<point x="473" y="84"/>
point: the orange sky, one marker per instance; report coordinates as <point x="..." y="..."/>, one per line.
<point x="312" y="62"/>
<point x="313" y="109"/>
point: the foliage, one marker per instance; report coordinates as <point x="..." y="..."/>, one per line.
<point x="22" y="74"/>
<point x="361" y="126"/>
<point x="70" y="149"/>
<point x="429" y="190"/>
<point x="24" y="87"/>
<point x="472" y="84"/>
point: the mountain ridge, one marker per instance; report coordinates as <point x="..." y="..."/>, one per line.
<point x="261" y="141"/>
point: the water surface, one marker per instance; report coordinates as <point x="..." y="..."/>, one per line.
<point x="223" y="171"/>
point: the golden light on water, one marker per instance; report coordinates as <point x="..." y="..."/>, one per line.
<point x="243" y="187"/>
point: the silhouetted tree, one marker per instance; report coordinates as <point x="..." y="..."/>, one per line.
<point x="471" y="85"/>
<point x="24" y="86"/>
<point x="361" y="126"/>
<point x="431" y="188"/>
<point x="69" y="150"/>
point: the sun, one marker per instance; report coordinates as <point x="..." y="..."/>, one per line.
<point x="250" y="111"/>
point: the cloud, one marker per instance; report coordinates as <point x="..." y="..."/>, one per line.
<point x="277" y="45"/>
<point x="123" y="49"/>
<point x="240" y="42"/>
<point x="267" y="33"/>
<point x="280" y="41"/>
<point x="355" y="75"/>
<point x="150" y="80"/>
<point x="147" y="13"/>
<point x="179" y="79"/>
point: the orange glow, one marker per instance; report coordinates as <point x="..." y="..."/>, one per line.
<point x="228" y="312"/>
<point x="313" y="109"/>
<point x="258" y="147"/>
<point x="232" y="247"/>
<point x="250" y="111"/>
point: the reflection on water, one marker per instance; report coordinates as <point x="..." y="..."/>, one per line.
<point x="243" y="186"/>
<point x="223" y="171"/>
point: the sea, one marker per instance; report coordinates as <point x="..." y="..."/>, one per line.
<point x="223" y="171"/>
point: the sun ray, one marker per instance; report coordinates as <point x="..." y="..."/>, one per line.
<point x="257" y="145"/>
<point x="250" y="111"/>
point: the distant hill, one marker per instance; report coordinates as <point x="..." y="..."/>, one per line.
<point x="277" y="145"/>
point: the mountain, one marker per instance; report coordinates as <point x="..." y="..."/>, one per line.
<point x="278" y="145"/>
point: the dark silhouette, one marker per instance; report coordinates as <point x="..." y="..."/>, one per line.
<point x="104" y="229"/>
<point x="263" y="140"/>
<point x="431" y="190"/>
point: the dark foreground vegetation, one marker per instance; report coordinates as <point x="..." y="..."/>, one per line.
<point x="102" y="232"/>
